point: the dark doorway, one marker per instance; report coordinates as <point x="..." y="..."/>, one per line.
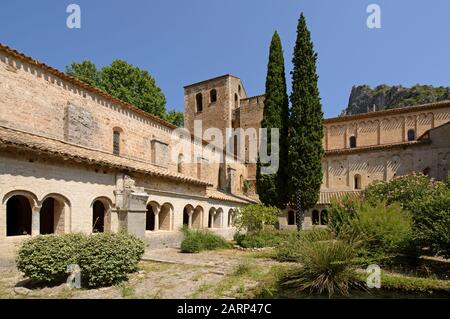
<point x="291" y="218"/>
<point x="47" y="217"/>
<point x="18" y="216"/>
<point x="150" y="219"/>
<point x="98" y="222"/>
<point x="185" y="217"/>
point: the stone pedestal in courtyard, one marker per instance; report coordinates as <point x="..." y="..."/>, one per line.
<point x="133" y="209"/>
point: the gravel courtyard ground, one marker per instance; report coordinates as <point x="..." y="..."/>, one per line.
<point x="164" y="273"/>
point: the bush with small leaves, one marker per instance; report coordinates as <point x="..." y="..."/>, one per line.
<point x="107" y="258"/>
<point x="45" y="258"/>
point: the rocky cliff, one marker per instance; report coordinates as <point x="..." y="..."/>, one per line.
<point x="364" y="98"/>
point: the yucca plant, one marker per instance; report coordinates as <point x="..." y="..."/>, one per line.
<point x="327" y="267"/>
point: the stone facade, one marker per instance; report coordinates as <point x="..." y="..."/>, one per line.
<point x="73" y="158"/>
<point x="359" y="149"/>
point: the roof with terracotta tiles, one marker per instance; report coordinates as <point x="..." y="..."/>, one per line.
<point x="327" y="197"/>
<point x="53" y="147"/>
<point x="219" y="195"/>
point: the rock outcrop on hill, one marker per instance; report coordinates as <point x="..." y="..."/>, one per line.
<point x="364" y="98"/>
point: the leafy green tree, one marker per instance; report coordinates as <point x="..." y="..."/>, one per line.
<point x="124" y="81"/>
<point x="174" y="117"/>
<point x="306" y="126"/>
<point x="134" y="86"/>
<point x="254" y="217"/>
<point x="272" y="188"/>
<point x="85" y="71"/>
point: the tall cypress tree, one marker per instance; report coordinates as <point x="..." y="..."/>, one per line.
<point x="305" y="127"/>
<point x="272" y="188"/>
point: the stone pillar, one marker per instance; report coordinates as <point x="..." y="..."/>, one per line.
<point x="190" y="212"/>
<point x="35" y="220"/>
<point x="157" y="218"/>
<point x="137" y="210"/>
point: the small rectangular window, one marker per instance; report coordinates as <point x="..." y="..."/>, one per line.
<point x="116" y="143"/>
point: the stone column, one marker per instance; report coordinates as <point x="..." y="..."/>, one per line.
<point x="136" y="213"/>
<point x="35" y="220"/>
<point x="157" y="218"/>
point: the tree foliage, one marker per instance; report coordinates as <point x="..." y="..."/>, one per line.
<point x="306" y="125"/>
<point x="255" y="217"/>
<point x="128" y="83"/>
<point x="272" y="188"/>
<point x="429" y="204"/>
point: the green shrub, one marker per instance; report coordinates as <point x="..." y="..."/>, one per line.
<point x="327" y="267"/>
<point x="196" y="241"/>
<point x="432" y="223"/>
<point x="261" y="238"/>
<point x="45" y="258"/>
<point x="255" y="217"/>
<point x="107" y="258"/>
<point x="381" y="229"/>
<point x="341" y="210"/>
<point x="406" y="190"/>
<point x="427" y="201"/>
<point x="290" y="249"/>
<point x="104" y="259"/>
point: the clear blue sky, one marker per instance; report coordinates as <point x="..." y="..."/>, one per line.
<point x="180" y="42"/>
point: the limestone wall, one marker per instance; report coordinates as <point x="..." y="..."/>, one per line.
<point x="61" y="110"/>
<point x="382" y="129"/>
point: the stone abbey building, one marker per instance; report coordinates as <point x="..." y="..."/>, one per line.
<point x="75" y="159"/>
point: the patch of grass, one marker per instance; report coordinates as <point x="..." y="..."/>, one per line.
<point x="246" y="274"/>
<point x="263" y="238"/>
<point x="126" y="290"/>
<point x="243" y="268"/>
<point x="265" y="254"/>
<point x="196" y="241"/>
<point x="200" y="290"/>
<point x="397" y="282"/>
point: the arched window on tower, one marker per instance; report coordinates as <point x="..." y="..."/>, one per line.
<point x="213" y="95"/>
<point x="236" y="101"/>
<point x="352" y="141"/>
<point x="199" y="102"/>
<point x="357" y="182"/>
<point x="411" y="135"/>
